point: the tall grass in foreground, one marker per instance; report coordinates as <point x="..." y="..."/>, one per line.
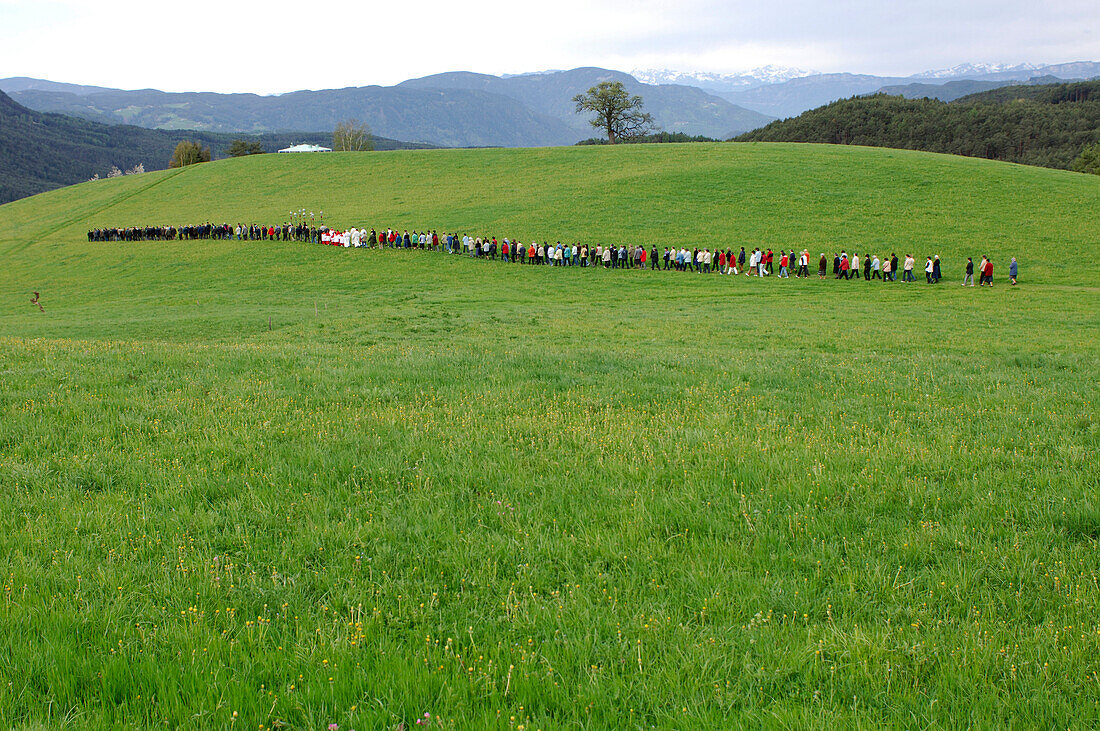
<point x="525" y="497"/>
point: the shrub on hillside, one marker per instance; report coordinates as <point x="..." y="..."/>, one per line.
<point x="189" y="153"/>
<point x="1088" y="161"/>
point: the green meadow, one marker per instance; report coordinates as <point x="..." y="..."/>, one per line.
<point x="260" y="485"/>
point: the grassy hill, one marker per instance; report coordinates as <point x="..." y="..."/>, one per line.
<point x="1045" y="125"/>
<point x="293" y="485"/>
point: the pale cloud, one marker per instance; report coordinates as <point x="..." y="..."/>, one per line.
<point x="222" y="45"/>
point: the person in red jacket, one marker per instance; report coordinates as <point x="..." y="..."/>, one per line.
<point x="987" y="273"/>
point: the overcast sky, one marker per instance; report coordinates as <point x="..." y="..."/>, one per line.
<point x="224" y="45"/>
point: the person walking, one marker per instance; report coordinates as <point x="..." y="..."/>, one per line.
<point x="1012" y="270"/>
<point x="969" y="276"/>
<point x="907" y="269"/>
<point x="936" y="274"/>
<point x="928" y="271"/>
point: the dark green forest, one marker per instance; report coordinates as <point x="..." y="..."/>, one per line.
<point x="41" y="151"/>
<point x="1048" y="125"/>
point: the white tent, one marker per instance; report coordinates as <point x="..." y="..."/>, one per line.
<point x="306" y="148"/>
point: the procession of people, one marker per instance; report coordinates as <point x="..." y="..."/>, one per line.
<point x="759" y="262"/>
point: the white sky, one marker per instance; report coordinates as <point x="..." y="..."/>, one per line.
<point x="278" y="46"/>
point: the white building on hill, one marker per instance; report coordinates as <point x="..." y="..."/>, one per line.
<point x="306" y="148"/>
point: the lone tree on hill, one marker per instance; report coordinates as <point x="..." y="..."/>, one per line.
<point x="189" y="153"/>
<point x="618" y="114"/>
<point x="351" y="135"/>
<point x="239" y="148"/>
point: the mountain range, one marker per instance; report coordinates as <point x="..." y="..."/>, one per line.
<point x="453" y="109"/>
<point x="783" y="92"/>
<point x="534" y="109"/>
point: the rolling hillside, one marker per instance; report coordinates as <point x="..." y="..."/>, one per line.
<point x="256" y="483"/>
<point x="1045" y="125"/>
<point x="825" y="196"/>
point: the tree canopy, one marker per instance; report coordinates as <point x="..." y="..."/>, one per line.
<point x="618" y="113"/>
<point x="239" y="148"/>
<point x="1088" y="161"/>
<point x="188" y="152"/>
<point x="351" y="135"/>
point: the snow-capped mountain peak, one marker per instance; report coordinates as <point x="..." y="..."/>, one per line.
<point x="975" y="69"/>
<point x="721" y="81"/>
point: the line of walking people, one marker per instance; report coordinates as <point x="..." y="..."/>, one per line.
<point x="759" y="262"/>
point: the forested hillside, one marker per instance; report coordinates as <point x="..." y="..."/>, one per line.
<point x="40" y="152"/>
<point x="1046" y="125"/>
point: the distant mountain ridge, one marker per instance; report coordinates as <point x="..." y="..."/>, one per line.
<point x="464" y="109"/>
<point x="784" y="92"/>
<point x="676" y="108"/>
<point x="711" y="81"/>
<point x="952" y="90"/>
<point x="457" y="109"/>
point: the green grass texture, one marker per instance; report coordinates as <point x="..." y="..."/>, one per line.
<point x="276" y="485"/>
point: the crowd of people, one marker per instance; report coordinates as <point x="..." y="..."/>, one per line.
<point x="758" y="262"/>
